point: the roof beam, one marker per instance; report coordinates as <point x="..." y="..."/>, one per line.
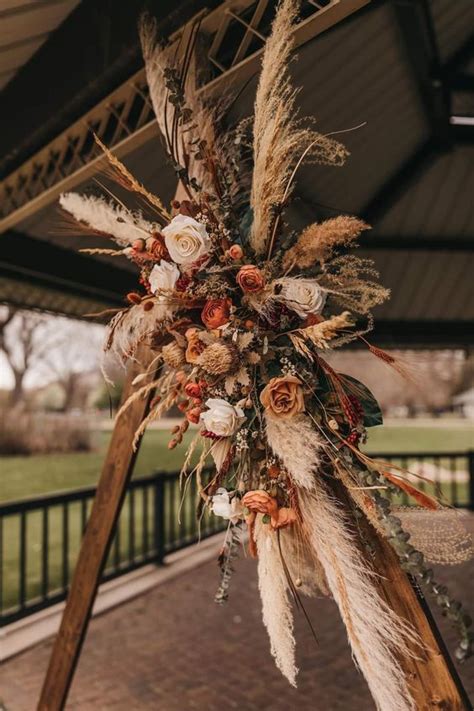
<point x="71" y="158"/>
<point x="422" y="334"/>
<point x="44" y="265"/>
<point x="405" y="243"/>
<point x="419" y="39"/>
<point x="395" y="186"/>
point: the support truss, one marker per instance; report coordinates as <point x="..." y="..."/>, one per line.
<point x="234" y="34"/>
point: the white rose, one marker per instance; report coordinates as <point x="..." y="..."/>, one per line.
<point x="186" y="239"/>
<point x="222" y="505"/>
<point x="222" y="418"/>
<point x="164" y="276"/>
<point x="303" y="296"/>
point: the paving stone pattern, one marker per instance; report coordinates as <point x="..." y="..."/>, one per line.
<point x="173" y="649"/>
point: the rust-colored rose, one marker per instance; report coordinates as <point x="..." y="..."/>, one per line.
<point x="260" y="501"/>
<point x="216" y="312"/>
<point x="250" y="279"/>
<point x="193" y="390"/>
<point x="157" y="249"/>
<point x="283" y="397"/>
<point x="285" y="517"/>
<point x="195" y="346"/>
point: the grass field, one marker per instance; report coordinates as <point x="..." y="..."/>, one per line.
<point x="35" y="475"/>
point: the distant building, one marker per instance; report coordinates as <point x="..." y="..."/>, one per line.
<point x="464" y="403"/>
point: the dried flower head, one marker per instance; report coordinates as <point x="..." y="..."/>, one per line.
<point x="173" y="355"/>
<point x="219" y="359"/>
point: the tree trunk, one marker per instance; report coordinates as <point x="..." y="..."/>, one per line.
<point x="16" y="394"/>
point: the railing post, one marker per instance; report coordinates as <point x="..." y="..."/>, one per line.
<point x="470" y="456"/>
<point x="159" y="518"/>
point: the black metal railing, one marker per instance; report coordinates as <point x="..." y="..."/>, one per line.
<point x="447" y="475"/>
<point x="40" y="538"/>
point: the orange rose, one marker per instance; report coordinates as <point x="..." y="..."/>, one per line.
<point x="216" y="312"/>
<point x="195" y="346"/>
<point x="283" y="397"/>
<point x="250" y="279"/>
<point x="285" y="517"/>
<point x="260" y="501"/>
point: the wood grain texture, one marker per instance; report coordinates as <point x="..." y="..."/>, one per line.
<point x="111" y="489"/>
<point x="432" y="677"/>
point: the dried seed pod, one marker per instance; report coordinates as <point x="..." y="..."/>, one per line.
<point x="219" y="359"/>
<point x="173" y="355"/>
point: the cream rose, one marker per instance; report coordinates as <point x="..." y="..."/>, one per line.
<point x="221" y="418"/>
<point x="163" y="277"/>
<point x="222" y="505"/>
<point x="303" y="296"/>
<point x="186" y="239"/>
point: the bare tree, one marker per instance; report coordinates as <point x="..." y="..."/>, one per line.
<point x="20" y="345"/>
<point x="71" y="358"/>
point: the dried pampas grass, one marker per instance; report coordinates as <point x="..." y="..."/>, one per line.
<point x="107" y="218"/>
<point x="318" y="242"/>
<point x="378" y="637"/>
<point x="279" y="139"/>
<point x="124" y="178"/>
<point x="276" y="607"/>
<point x="321" y="334"/>
<point x="345" y="280"/>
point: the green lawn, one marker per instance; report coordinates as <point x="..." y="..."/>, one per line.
<point x="405" y="438"/>
<point x="35" y="475"/>
<point x="41" y="474"/>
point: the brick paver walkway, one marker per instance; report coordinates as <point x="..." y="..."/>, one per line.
<point x="173" y="649"/>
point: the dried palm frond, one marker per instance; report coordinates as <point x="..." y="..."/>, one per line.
<point x="320" y="334"/>
<point x="107" y="218"/>
<point x="279" y="139"/>
<point x="318" y="242"/>
<point x="123" y="176"/>
<point x="189" y="130"/>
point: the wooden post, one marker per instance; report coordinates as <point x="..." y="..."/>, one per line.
<point x="432" y="676"/>
<point x="116" y="473"/>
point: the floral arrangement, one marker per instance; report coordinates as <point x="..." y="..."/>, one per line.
<point x="236" y="311"/>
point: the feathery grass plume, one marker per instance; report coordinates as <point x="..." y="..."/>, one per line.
<point x="345" y="280"/>
<point x="107" y="218"/>
<point x="279" y="138"/>
<point x="124" y="178"/>
<point x="127" y="330"/>
<point x="276" y="607"/>
<point x="155" y="413"/>
<point x="377" y="635"/>
<point x="320" y="334"/>
<point x="319" y="241"/>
